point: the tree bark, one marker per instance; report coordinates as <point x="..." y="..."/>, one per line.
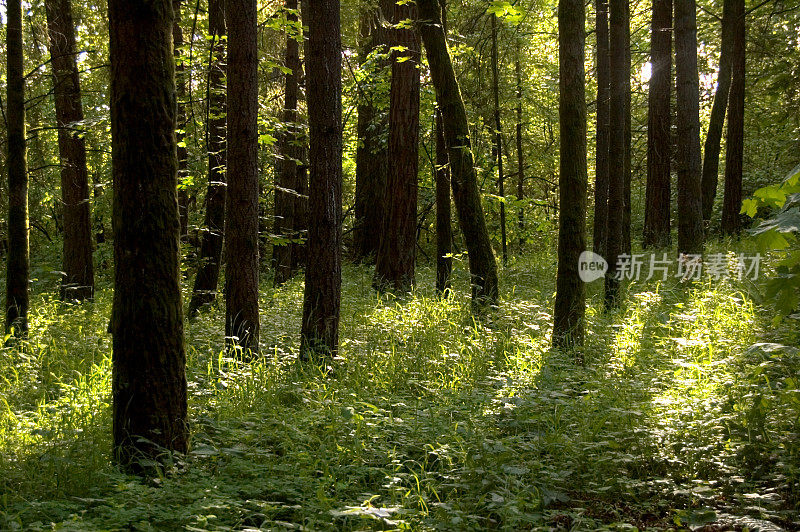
<point x="183" y="152"/>
<point x="482" y="265"/>
<point x="291" y="153"/>
<point x="498" y="137"/>
<point x="322" y="297"/>
<point x="690" y="205"/>
<point x="211" y="240"/>
<point x="149" y="380"/>
<point x="241" y="202"/>
<point x="602" y="169"/>
<point x="717" y="120"/>
<point x="18" y="266"/>
<point x="659" y="145"/>
<point x="568" y="316"/>
<point x="626" y="194"/>
<point x="77" y="265"/>
<point x="397" y="251"/>
<point x="372" y="158"/>
<point x="734" y="143"/>
<point x="620" y="83"/>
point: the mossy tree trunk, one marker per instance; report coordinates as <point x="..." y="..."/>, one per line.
<point x="149" y="381"/>
<point x="322" y="297"/>
<point x="211" y="241"/>
<point x="241" y="202"/>
<point x="18" y="265"/>
<point x="397" y="251"/>
<point x="568" y="317"/>
<point x="482" y="264"/>
<point x="77" y="265"/>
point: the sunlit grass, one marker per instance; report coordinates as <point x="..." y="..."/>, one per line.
<point x="432" y="417"/>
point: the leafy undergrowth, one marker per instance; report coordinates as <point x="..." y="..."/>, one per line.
<point x="432" y="418"/>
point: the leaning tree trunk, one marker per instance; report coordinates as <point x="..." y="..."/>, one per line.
<point x="690" y="205"/>
<point x="17" y="270"/>
<point x="241" y="202"/>
<point x="291" y="153"/>
<point x="78" y="282"/>
<point x="568" y="316"/>
<point x="659" y="145"/>
<point x="397" y="251"/>
<point x="498" y="137"/>
<point x="482" y="265"/>
<point x="601" y="178"/>
<point x="717" y="120"/>
<point x="183" y="152"/>
<point x="149" y="380"/>
<point x="734" y="144"/>
<point x="371" y="154"/>
<point x="620" y="82"/>
<point x="322" y="297"/>
<point x="211" y="241"/>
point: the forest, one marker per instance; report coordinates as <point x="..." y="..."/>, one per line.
<point x="400" y="265"/>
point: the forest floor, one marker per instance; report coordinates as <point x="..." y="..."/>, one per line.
<point x="682" y="411"/>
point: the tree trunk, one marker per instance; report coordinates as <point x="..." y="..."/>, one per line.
<point x="149" y="380"/>
<point x="717" y="120"/>
<point x="520" y="152"/>
<point x="78" y="282"/>
<point x="322" y="297"/>
<point x="291" y="153"/>
<point x="659" y="146"/>
<point x="482" y="265"/>
<point x="183" y="152"/>
<point x="241" y="201"/>
<point x="568" y="316"/>
<point x="603" y="67"/>
<point x="626" y="191"/>
<point x="444" y="223"/>
<point x="620" y="83"/>
<point x="498" y="137"/>
<point x="734" y="144"/>
<point x="211" y="240"/>
<point x="17" y="270"/>
<point x="690" y="205"/>
<point x="397" y="251"/>
<point x="371" y="154"/>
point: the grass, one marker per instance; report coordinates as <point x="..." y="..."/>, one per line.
<point x="432" y="419"/>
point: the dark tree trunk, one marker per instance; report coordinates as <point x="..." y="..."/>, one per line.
<point x="397" y="251"/>
<point x="291" y="153"/>
<point x="717" y="120"/>
<point x="78" y="282"/>
<point x="620" y="83"/>
<point x="690" y="205"/>
<point x="498" y="137"/>
<point x="371" y="154"/>
<point x="626" y="191"/>
<point x="444" y="223"/>
<point x="322" y="297"/>
<point x="482" y="265"/>
<point x="183" y="152"/>
<point x="149" y="380"/>
<point x="734" y="143"/>
<point x="520" y="152"/>
<point x="17" y="270"/>
<point x="568" y="317"/>
<point x="211" y="240"/>
<point x="659" y="147"/>
<point x="301" y="211"/>
<point x="603" y="67"/>
<point x="241" y="201"/>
